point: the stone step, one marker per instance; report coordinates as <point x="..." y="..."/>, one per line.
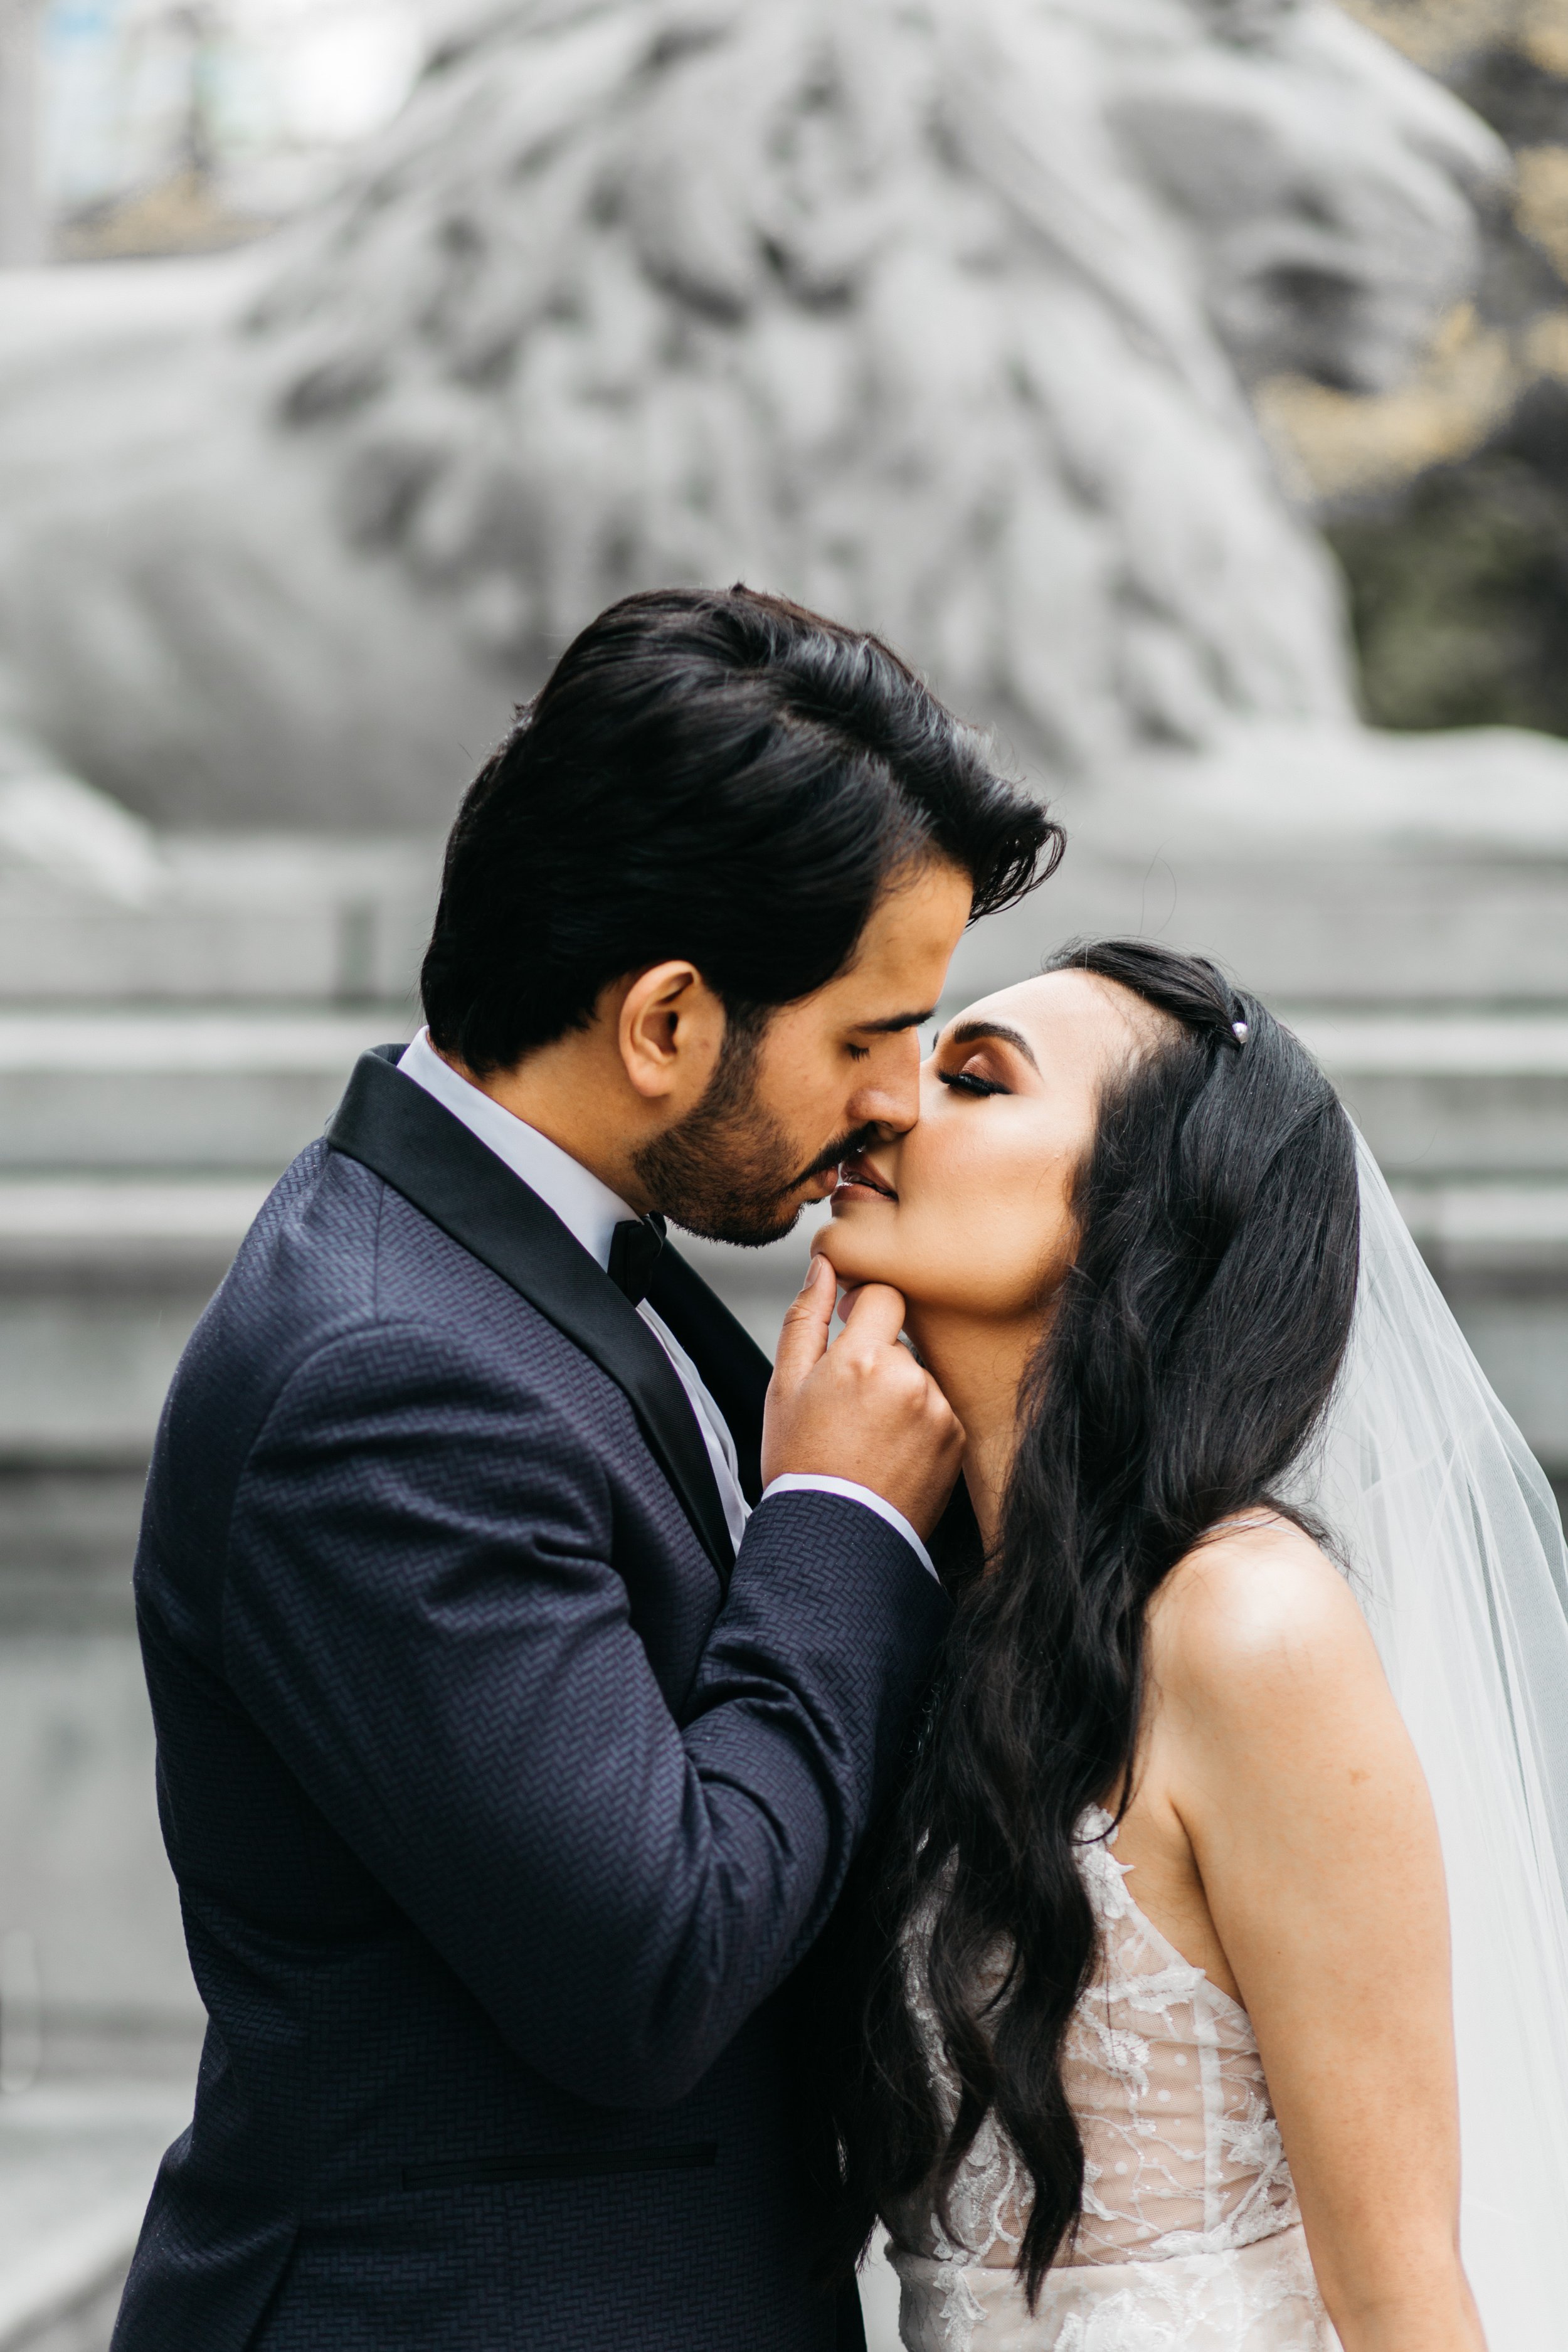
<point x="137" y="1142"/>
<point x="155" y="1089"/>
<point x="138" y="1232"/>
<point x="1473" y="1234"/>
<point x="1436" y="1092"/>
<point x="1318" y="866"/>
<point x="1450" y="1093"/>
<point x="102" y="1277"/>
<point x="164" y="1234"/>
<point x="1297" y="913"/>
<point x="268" y="919"/>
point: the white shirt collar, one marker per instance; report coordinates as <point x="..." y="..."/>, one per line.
<point x="588" y="1209"/>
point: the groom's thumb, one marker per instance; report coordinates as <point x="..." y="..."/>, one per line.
<point x="803" y="1342"/>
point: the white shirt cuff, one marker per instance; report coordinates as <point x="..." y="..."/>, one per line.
<point x="804" y="1482"/>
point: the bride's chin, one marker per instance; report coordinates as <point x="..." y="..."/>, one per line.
<point x="849" y="1264"/>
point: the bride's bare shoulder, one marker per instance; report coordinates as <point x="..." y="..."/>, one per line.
<point x="1256" y="1615"/>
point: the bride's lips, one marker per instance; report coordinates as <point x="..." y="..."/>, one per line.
<point x="857" y="1175"/>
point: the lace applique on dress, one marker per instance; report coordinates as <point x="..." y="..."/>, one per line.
<point x="1184" y="2172"/>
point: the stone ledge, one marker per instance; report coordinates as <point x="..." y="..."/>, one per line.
<point x="153" y="1089"/>
<point x="241" y="916"/>
<point x="1461" y="1042"/>
<point x="157" y="1041"/>
<point x="1476" y="1230"/>
<point x="125" y="1232"/>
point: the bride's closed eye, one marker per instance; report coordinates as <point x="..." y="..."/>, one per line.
<point x="970" y="1082"/>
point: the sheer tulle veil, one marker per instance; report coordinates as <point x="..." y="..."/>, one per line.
<point x="1453" y="1541"/>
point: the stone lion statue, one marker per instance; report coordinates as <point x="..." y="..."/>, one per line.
<point x="937" y="314"/>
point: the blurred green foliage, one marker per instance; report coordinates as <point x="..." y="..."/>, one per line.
<point x="1458" y="578"/>
<point x="1459" y="586"/>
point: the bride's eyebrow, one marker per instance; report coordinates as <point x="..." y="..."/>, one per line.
<point x="979" y="1032"/>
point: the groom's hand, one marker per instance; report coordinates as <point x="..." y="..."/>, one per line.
<point x="859" y="1407"/>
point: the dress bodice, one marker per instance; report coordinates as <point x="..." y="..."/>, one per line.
<point x="1184" y="2167"/>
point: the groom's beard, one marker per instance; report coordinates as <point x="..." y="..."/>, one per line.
<point x="727" y="1171"/>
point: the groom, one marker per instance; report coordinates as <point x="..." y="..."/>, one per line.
<point x="513" y="1742"/>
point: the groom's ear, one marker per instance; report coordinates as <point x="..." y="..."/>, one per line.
<point x="669" y="1028"/>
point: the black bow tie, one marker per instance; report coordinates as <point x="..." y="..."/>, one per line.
<point x="634" y="1246"/>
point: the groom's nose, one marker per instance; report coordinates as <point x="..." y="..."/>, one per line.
<point x="887" y="1098"/>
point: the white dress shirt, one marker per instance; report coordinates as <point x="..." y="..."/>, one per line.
<point x="589" y="1212"/>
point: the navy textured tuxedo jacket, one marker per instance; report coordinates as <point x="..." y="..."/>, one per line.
<point x="502" y="1801"/>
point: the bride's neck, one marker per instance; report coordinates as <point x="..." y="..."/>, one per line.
<point x="979" y="1368"/>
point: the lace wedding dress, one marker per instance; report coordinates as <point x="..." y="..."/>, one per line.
<point x="1191" y="2239"/>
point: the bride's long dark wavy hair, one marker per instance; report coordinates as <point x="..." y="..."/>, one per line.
<point x="1190" y="1352"/>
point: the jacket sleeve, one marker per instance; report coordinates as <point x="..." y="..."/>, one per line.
<point x="421" y="1612"/>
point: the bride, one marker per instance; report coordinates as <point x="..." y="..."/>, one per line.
<point x="1262" y="1632"/>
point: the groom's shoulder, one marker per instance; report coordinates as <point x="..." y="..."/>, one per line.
<point x="311" y="1245"/>
<point x="343" y="1294"/>
<point x="348" y="1321"/>
<point x="336" y="1250"/>
<point x="338" y="1269"/>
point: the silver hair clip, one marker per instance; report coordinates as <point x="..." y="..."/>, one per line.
<point x="1240" y="1031"/>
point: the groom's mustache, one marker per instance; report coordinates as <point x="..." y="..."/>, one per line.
<point x="848" y="1147"/>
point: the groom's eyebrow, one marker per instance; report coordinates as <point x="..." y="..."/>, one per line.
<point x="895" y="1021"/>
<point x="976" y="1033"/>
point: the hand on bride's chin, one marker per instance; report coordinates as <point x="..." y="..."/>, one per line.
<point x="848" y="1292"/>
<point x="850" y="1285"/>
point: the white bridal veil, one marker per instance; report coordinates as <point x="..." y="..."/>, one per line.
<point x="1453" y="1538"/>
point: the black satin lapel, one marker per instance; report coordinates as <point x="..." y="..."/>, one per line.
<point x="409" y="1140"/>
<point x="734" y="1369"/>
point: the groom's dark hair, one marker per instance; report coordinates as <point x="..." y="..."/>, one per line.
<point x="711" y="774"/>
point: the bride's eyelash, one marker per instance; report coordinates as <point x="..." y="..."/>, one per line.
<point x="969" y="1084"/>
